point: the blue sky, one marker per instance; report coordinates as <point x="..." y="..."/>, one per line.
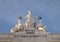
<point x="49" y="10"/>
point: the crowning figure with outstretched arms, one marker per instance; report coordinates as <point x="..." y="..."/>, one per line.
<point x="30" y="19"/>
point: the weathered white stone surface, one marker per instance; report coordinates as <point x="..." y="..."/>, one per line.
<point x="29" y="37"/>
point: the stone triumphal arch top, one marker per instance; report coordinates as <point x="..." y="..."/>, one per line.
<point x="30" y="31"/>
